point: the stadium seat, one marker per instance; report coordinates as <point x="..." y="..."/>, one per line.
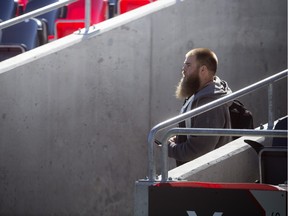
<point x="75" y="15"/>
<point x="128" y="5"/>
<point x="7" y="9"/>
<point x="48" y="18"/>
<point x="21" y="6"/>
<point x="273" y="165"/>
<point x="8" y="51"/>
<point x="25" y="35"/>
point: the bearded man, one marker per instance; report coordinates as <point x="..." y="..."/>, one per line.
<point x="199" y="85"/>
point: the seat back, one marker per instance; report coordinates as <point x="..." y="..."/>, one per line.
<point x="273" y="165"/>
<point x="23" y="3"/>
<point x="22" y="6"/>
<point x="76" y="11"/>
<point x="128" y="5"/>
<point x="49" y="17"/>
<point x="75" y="16"/>
<point x="7" y="9"/>
<point x="66" y="28"/>
<point x="25" y="33"/>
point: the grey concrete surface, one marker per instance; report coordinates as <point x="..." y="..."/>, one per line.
<point x="75" y="114"/>
<point x="234" y="162"/>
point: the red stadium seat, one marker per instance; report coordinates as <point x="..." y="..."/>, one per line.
<point x="21" y="6"/>
<point x="22" y="3"/>
<point x="127" y="5"/>
<point x="75" y="16"/>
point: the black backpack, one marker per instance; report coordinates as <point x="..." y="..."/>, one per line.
<point x="241" y="118"/>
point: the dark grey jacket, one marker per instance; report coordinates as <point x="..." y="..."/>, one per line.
<point x="187" y="148"/>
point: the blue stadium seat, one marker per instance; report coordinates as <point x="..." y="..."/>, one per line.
<point x="21" y="37"/>
<point x="7" y="9"/>
<point x="49" y="18"/>
<point x="24" y="33"/>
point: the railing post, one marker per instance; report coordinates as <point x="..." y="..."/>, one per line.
<point x="151" y="158"/>
<point x="270" y="107"/>
<point x="87" y="15"/>
<point x="164" y="160"/>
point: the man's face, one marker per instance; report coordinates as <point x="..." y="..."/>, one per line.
<point x="190" y="81"/>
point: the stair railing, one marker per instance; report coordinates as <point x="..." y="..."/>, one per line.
<point x="211" y="132"/>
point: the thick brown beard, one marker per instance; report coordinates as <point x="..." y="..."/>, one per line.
<point x="187" y="87"/>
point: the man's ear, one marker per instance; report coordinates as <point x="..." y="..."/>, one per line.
<point x="203" y="70"/>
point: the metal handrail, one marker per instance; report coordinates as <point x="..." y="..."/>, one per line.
<point x="210" y="132"/>
<point x="202" y="109"/>
<point x="34" y="13"/>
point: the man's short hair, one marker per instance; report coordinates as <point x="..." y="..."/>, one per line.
<point x="205" y="57"/>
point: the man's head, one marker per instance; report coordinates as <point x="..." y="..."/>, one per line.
<point x="199" y="68"/>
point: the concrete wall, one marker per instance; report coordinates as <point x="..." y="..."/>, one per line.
<point x="75" y="113"/>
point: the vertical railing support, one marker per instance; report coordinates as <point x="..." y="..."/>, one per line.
<point x="151" y="158"/>
<point x="87" y="15"/>
<point x="270" y="107"/>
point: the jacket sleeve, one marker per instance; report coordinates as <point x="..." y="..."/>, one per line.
<point x="196" y="146"/>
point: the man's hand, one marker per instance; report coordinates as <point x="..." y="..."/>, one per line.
<point x="172" y="139"/>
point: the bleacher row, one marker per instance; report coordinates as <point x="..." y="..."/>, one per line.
<point x="55" y="24"/>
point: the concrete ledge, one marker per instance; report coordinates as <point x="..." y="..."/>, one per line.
<point x="234" y="162"/>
